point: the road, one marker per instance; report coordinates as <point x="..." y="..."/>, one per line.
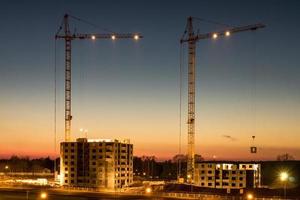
<point x="34" y="194"/>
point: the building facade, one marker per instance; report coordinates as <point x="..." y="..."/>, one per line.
<point x="99" y="163"/>
<point x="228" y="175"/>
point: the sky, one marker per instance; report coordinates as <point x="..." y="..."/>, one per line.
<point x="247" y="84"/>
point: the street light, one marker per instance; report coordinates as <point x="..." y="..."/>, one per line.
<point x="44" y="195"/>
<point x="148" y="190"/>
<point x="284" y="176"/>
<point x="83" y="131"/>
<point x="6" y="168"/>
<point x="249" y="196"/>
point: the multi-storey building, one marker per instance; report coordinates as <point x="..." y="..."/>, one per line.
<point x="230" y="175"/>
<point x="98" y="163"/>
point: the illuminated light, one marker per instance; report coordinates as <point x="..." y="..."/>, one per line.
<point x="42" y="181"/>
<point x="148" y="190"/>
<point x="227" y="33"/>
<point x="100" y="140"/>
<point x="44" y="195"/>
<point x="81" y="130"/>
<point x="189" y="176"/>
<point x="61" y="178"/>
<point x="39" y="181"/>
<point x="215" y="35"/>
<point x="136" y="37"/>
<point x="93" y="37"/>
<point x="249" y="196"/>
<point x="284" y="176"/>
<point x="6" y="167"/>
<point x="113" y="37"/>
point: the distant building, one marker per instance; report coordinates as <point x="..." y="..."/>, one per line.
<point x="228" y="175"/>
<point x="98" y="163"/>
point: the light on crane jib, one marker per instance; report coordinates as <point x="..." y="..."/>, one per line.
<point x="136" y="37"/>
<point x="227" y="33"/>
<point x="93" y="37"/>
<point x="113" y="37"/>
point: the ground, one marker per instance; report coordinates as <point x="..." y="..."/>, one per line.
<point x="35" y="194"/>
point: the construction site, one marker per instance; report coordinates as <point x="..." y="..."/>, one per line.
<point x="92" y="163"/>
<point x="188" y="37"/>
<point x="107" y="164"/>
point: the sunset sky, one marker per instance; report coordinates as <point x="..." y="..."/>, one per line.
<point x="248" y="84"/>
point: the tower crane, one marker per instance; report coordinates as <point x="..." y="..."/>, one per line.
<point x="191" y="38"/>
<point x="68" y="36"/>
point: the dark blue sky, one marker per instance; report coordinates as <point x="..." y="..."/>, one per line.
<point x="255" y="74"/>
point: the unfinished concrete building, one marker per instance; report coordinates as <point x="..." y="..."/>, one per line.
<point x="229" y="175"/>
<point x="96" y="163"/>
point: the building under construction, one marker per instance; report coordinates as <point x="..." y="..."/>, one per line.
<point x="228" y="174"/>
<point x="91" y="163"/>
<point x="191" y="38"/>
<point x="96" y="163"/>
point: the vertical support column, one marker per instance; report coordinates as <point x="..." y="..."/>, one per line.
<point x="191" y="104"/>
<point x="68" y="116"/>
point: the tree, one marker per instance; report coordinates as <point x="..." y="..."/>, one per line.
<point x="179" y="157"/>
<point x="198" y="158"/>
<point x="285" y="157"/>
<point x="183" y="158"/>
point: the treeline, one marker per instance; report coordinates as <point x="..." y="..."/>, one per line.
<point x="147" y="167"/>
<point x="25" y="164"/>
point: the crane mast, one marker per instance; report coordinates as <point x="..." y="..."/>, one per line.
<point x="191" y="102"/>
<point x="192" y="39"/>
<point x="68" y="37"/>
<point x="68" y="116"/>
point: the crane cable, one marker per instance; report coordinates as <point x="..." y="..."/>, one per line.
<point x="181" y="61"/>
<point x="91" y="24"/>
<point x="254" y="92"/>
<point x="55" y="101"/>
<point x="212" y="22"/>
<point x="180" y="105"/>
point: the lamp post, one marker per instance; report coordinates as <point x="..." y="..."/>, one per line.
<point x="6" y="169"/>
<point x="148" y="190"/>
<point x="284" y="176"/>
<point x="250" y="196"/>
<point x="43" y="195"/>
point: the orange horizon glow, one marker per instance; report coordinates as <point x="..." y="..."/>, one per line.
<point x="246" y="84"/>
<point x="208" y="152"/>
